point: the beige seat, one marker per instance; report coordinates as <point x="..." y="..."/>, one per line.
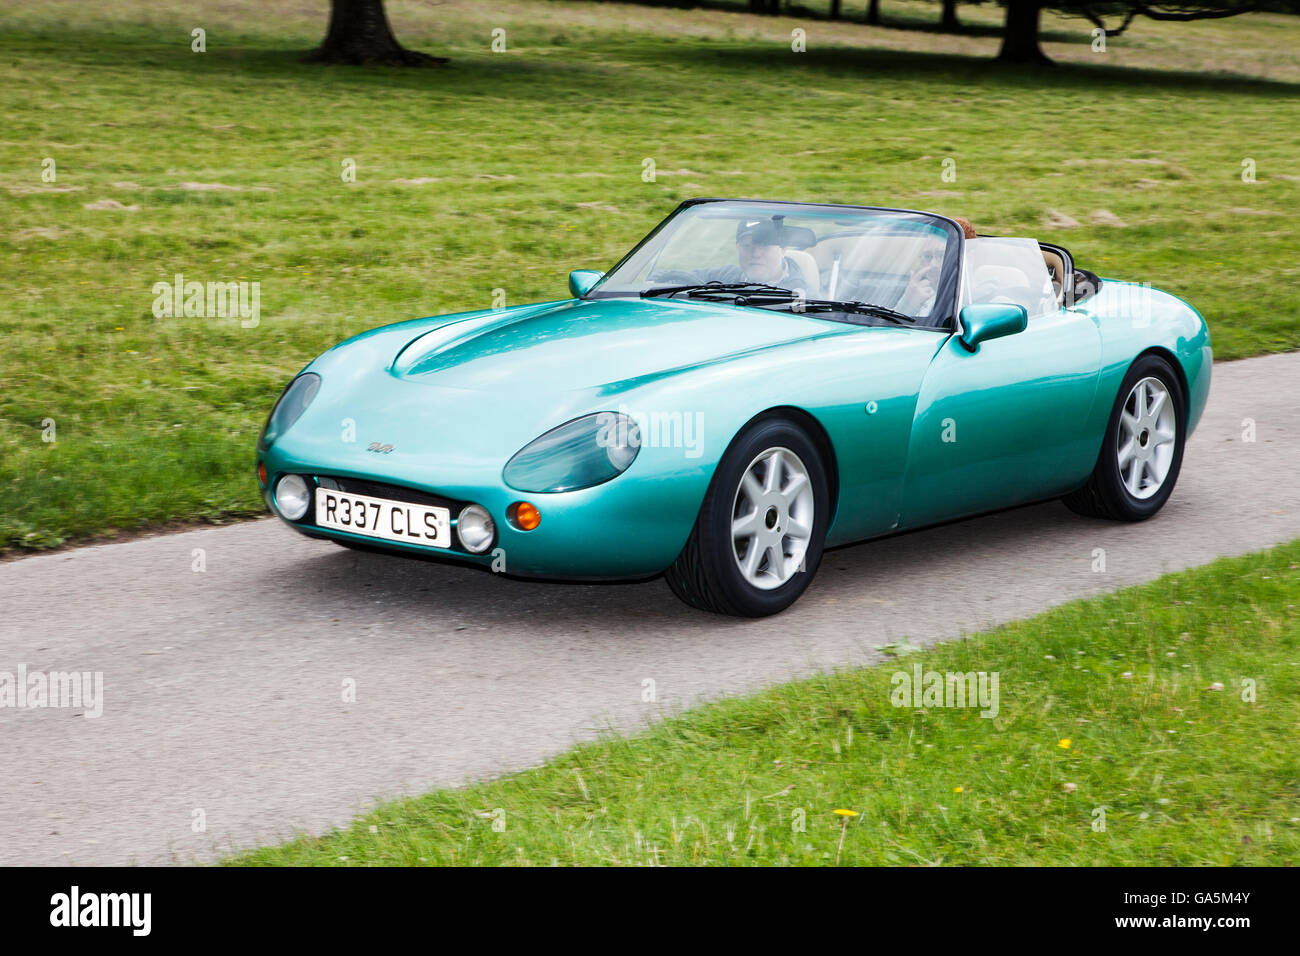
<point x="1056" y="268"/>
<point x="808" y="266"/>
<point x="994" y="283"/>
<point x="887" y="255"/>
<point x="857" y="252"/>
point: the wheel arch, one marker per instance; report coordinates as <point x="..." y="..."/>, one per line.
<point x="821" y="438"/>
<point x="1169" y="356"/>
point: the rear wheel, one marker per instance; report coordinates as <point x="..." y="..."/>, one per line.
<point x="1142" y="452"/>
<point x="760" y="533"/>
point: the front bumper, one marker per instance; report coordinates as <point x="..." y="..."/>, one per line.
<point x="622" y="529"/>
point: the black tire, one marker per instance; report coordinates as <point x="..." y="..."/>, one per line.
<point x="1105" y="494"/>
<point x="706" y="574"/>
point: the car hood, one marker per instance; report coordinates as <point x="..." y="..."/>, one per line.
<point x="597" y="343"/>
<point x="456" y="395"/>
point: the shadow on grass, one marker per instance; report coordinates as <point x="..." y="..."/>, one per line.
<point x="963" y="71"/>
<point x="890" y="19"/>
<point x="912" y="24"/>
<point x="532" y="77"/>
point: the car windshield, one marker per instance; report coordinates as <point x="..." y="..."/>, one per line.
<point x="850" y="263"/>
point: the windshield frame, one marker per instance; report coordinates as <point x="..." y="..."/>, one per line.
<point x="944" y="315"/>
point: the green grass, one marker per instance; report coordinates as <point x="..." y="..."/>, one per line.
<point x="1104" y="703"/>
<point x="534" y="160"/>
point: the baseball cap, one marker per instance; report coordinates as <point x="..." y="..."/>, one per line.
<point x="763" y="232"/>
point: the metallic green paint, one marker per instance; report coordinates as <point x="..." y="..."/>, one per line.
<point x="989" y="320"/>
<point x="458" y="395"/>
<point x="582" y="281"/>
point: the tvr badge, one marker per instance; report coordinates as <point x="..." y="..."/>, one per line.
<point x="379" y="448"/>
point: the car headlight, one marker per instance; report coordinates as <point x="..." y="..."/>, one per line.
<point x="293" y="401"/>
<point x="579" y="454"/>
<point x="475" y="528"/>
<point x="292" y="497"/>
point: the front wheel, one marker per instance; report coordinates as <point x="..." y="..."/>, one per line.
<point x="760" y="533"/>
<point x="1142" y="452"/>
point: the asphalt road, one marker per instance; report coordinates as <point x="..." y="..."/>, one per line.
<point x="223" y="688"/>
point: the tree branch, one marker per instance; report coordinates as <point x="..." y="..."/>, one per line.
<point x="1182" y="15"/>
<point x="1100" y="24"/>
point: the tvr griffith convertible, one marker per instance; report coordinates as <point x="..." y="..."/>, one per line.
<point x="754" y="382"/>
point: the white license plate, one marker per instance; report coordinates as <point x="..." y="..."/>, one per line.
<point x="382" y="518"/>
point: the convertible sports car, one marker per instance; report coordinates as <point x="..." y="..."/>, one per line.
<point x="754" y="382"/>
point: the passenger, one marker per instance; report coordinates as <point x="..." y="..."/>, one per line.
<point x="918" y="297"/>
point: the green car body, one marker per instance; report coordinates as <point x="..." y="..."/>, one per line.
<point x="915" y="427"/>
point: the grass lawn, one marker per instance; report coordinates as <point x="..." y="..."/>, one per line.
<point x="505" y="170"/>
<point x="1132" y="703"/>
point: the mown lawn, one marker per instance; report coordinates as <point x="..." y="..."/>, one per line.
<point x="1152" y="726"/>
<point x="505" y="170"/>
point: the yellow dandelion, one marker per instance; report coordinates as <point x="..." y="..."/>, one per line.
<point x="845" y="816"/>
<point x="958" y="789"/>
<point x="1064" y="744"/>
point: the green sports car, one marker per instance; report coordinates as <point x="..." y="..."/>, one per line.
<point x="754" y="382"/>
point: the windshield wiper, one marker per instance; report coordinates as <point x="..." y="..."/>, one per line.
<point x="860" y="308"/>
<point x="830" y="305"/>
<point x="716" y="287"/>
<point x="752" y="293"/>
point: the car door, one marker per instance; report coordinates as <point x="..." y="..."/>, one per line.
<point x="1007" y="423"/>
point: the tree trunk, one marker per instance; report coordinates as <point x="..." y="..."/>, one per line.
<point x="1020" y="35"/>
<point x="359" y="35"/>
<point x="835" y="9"/>
<point x="949" y="21"/>
<point x="873" y="13"/>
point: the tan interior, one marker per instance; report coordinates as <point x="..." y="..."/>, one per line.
<point x="808" y="266"/>
<point x="855" y="251"/>
<point x="1056" y="269"/>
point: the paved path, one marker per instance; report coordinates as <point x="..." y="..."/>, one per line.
<point x="223" y="689"/>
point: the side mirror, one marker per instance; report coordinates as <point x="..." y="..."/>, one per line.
<point x="990" y="320"/>
<point x="581" y="281"/>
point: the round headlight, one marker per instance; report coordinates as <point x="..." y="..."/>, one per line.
<point x="476" y="528"/>
<point x="292" y="496"/>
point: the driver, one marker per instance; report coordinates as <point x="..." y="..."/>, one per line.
<point x="760" y="257"/>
